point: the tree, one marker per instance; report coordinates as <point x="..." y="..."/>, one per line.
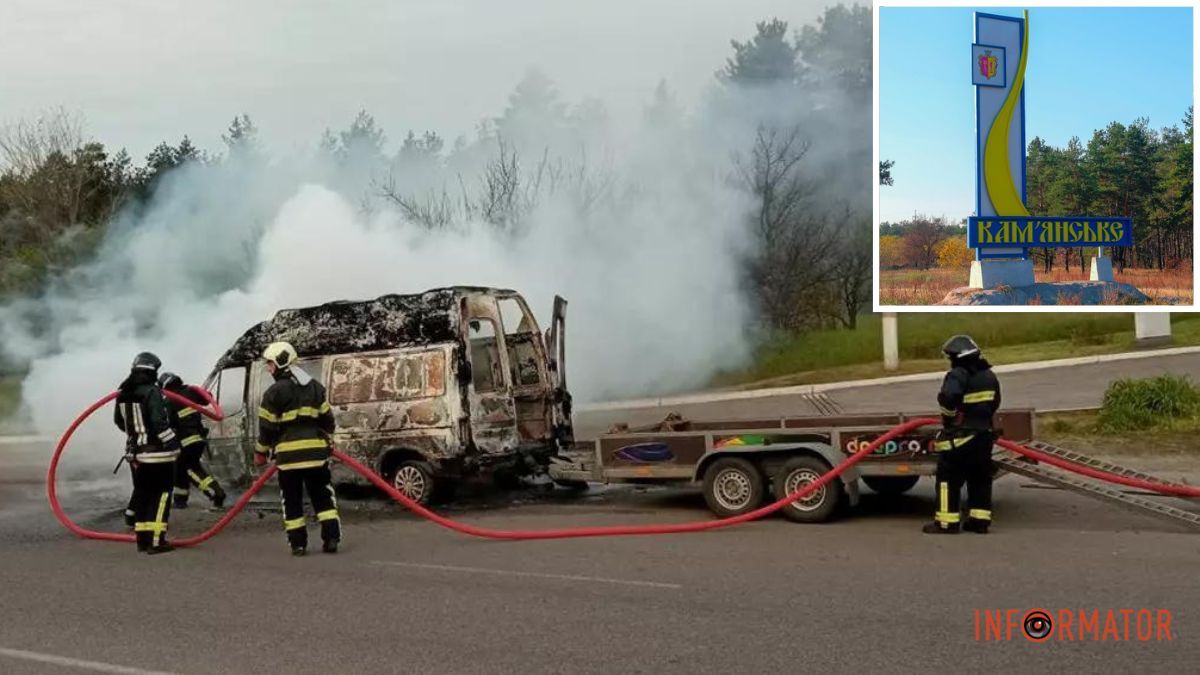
<point x="1041" y="167"/>
<point x="663" y="112"/>
<point x="242" y="137"/>
<point x="952" y="253"/>
<point x="535" y="116"/>
<point x="796" y="242"/>
<point x="361" y="143"/>
<point x="922" y="239"/>
<point x="885" y="171"/>
<point x="891" y="251"/>
<point x="836" y="53"/>
<point x="765" y="59"/>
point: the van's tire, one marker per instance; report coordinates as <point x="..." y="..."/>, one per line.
<point x="414" y="477"/>
<point x="818" y="507"/>
<point x="733" y="486"/>
<point x="891" y="486"/>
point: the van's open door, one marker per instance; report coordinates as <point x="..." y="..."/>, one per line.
<point x="556" y="353"/>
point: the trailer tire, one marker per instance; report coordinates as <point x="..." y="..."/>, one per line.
<point x="415" y="478"/>
<point x="818" y="507"/>
<point x="891" y="486"/>
<point x="733" y="486"/>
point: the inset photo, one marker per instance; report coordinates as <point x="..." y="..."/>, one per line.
<point x="1035" y="157"/>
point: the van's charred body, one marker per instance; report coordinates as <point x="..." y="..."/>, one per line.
<point x="426" y="388"/>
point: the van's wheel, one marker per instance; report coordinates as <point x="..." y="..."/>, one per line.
<point x="891" y="485"/>
<point x="732" y="486"/>
<point x="414" y="477"/>
<point x="817" y="507"/>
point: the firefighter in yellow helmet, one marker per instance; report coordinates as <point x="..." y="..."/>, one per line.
<point x="294" y="425"/>
<point x="969" y="399"/>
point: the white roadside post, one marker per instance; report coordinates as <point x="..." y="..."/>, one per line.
<point x="891" y="344"/>
<point x="1152" y="329"/>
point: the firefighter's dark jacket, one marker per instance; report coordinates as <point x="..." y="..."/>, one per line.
<point x="187" y="422"/>
<point x="295" y="421"/>
<point x="969" y="399"/>
<point x="143" y="415"/>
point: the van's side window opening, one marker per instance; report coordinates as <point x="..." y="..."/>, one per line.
<point x="485" y="356"/>
<point x="392" y="377"/>
<point x="231" y="390"/>
<point x="519" y="337"/>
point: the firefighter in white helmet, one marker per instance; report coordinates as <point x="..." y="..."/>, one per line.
<point x="294" y="425"/>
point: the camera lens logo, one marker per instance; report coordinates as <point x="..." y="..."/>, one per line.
<point x="1037" y="625"/>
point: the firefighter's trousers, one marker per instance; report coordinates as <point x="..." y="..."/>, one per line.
<point x="293" y="483"/>
<point x="970" y="463"/>
<point x="151" y="502"/>
<point x="189" y="471"/>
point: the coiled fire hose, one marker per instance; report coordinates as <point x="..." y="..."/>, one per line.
<point x="565" y="533"/>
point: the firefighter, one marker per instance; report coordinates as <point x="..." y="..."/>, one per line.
<point x="294" y="425"/>
<point x="151" y="449"/>
<point x="189" y="428"/>
<point x="969" y="399"/>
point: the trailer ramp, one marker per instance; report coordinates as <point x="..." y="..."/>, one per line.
<point x="1055" y="477"/>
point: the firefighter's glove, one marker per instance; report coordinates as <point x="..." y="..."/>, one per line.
<point x="260" y="459"/>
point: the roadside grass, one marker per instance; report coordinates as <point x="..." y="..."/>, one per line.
<point x="10" y="395"/>
<point x="835" y="355"/>
<point x="928" y="287"/>
<point x="1081" y="432"/>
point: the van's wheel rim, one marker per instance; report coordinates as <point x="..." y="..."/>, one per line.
<point x="797" y="480"/>
<point x="732" y="489"/>
<point x="411" y="481"/>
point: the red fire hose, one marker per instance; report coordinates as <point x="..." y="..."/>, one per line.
<point x="619" y="530"/>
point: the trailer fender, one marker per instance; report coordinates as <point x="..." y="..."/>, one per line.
<point x="757" y="453"/>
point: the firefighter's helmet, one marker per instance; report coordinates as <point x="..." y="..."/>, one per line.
<point x="960" y="346"/>
<point x="281" y="354"/>
<point x="170" y="381"/>
<point x="146" y="361"/>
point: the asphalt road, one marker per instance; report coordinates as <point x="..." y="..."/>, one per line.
<point x="868" y="593"/>
<point x="1045" y="389"/>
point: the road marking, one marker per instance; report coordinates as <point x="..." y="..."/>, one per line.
<point x="15" y="440"/>
<point x="811" y="389"/>
<point x="68" y="662"/>
<point x="537" y="575"/>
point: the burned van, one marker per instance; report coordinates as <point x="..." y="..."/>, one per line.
<point x="427" y="389"/>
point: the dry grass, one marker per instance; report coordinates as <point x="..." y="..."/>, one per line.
<point x="928" y="287"/>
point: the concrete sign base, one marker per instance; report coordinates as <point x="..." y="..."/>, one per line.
<point x="991" y="273"/>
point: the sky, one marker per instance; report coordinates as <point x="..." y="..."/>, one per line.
<point x="143" y="71"/>
<point x="1087" y="67"/>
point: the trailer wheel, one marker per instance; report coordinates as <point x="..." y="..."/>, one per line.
<point x="732" y="486"/>
<point x="414" y="477"/>
<point x="891" y="485"/>
<point x="818" y="507"/>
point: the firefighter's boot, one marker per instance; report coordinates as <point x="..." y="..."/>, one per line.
<point x="940" y="528"/>
<point x="977" y="525"/>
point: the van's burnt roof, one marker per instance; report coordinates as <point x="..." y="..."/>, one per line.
<point x="357" y="326"/>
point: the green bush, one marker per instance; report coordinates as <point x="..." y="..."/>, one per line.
<point x="1137" y="405"/>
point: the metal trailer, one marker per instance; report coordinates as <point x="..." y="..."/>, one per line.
<point x="741" y="464"/>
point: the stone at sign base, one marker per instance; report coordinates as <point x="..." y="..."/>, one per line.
<point x="1055" y="293"/>
<point x="1102" y="268"/>
<point x="1012" y="273"/>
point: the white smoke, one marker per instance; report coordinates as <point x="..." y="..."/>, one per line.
<point x="652" y="280"/>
